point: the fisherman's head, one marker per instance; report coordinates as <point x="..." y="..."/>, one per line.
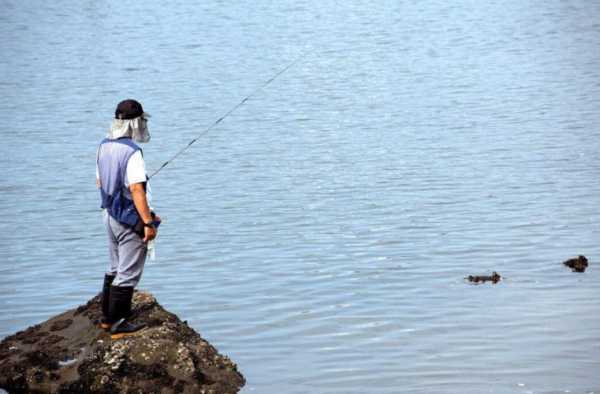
<point x="130" y="122"/>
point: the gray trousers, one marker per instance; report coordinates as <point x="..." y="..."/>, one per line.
<point x="127" y="253"/>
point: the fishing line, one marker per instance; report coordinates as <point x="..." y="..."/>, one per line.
<point x="219" y="120"/>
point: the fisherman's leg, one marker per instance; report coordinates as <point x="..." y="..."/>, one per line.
<point x="113" y="230"/>
<point x="111" y="272"/>
<point x="132" y="256"/>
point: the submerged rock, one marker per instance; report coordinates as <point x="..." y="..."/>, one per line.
<point x="69" y="354"/>
<point x="577" y="264"/>
<point x="494" y="278"/>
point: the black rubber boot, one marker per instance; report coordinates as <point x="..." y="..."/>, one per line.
<point x="108" y="279"/>
<point x="119" y="311"/>
<point x="119" y="303"/>
<point x="123" y="328"/>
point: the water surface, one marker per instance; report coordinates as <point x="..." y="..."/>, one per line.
<point x="320" y="235"/>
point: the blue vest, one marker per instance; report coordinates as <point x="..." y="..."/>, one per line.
<point x="112" y="159"/>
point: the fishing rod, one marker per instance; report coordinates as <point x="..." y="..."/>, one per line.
<point x="219" y="120"/>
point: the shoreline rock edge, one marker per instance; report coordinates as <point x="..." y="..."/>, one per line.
<point x="68" y="353"/>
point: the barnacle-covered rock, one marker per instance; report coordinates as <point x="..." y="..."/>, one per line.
<point x="70" y="354"/>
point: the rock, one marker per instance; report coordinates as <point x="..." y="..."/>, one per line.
<point x="577" y="264"/>
<point x="70" y="354"/>
<point x="494" y="278"/>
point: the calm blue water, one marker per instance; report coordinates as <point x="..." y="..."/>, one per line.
<point x="320" y="235"/>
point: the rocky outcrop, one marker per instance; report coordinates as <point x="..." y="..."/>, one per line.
<point x="70" y="354"/>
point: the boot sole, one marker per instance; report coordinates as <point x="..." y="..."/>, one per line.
<point x="125" y="334"/>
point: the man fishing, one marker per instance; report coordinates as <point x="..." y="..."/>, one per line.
<point x="130" y="224"/>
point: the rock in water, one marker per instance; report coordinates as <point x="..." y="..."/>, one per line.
<point x="577" y="264"/>
<point x="494" y="278"/>
<point x="70" y="354"/>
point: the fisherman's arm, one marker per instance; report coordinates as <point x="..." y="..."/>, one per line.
<point x="98" y="184"/>
<point x="138" y="194"/>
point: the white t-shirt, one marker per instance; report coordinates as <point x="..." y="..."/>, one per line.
<point x="136" y="173"/>
<point x="136" y="169"/>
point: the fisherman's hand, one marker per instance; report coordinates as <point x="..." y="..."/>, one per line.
<point x="149" y="233"/>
